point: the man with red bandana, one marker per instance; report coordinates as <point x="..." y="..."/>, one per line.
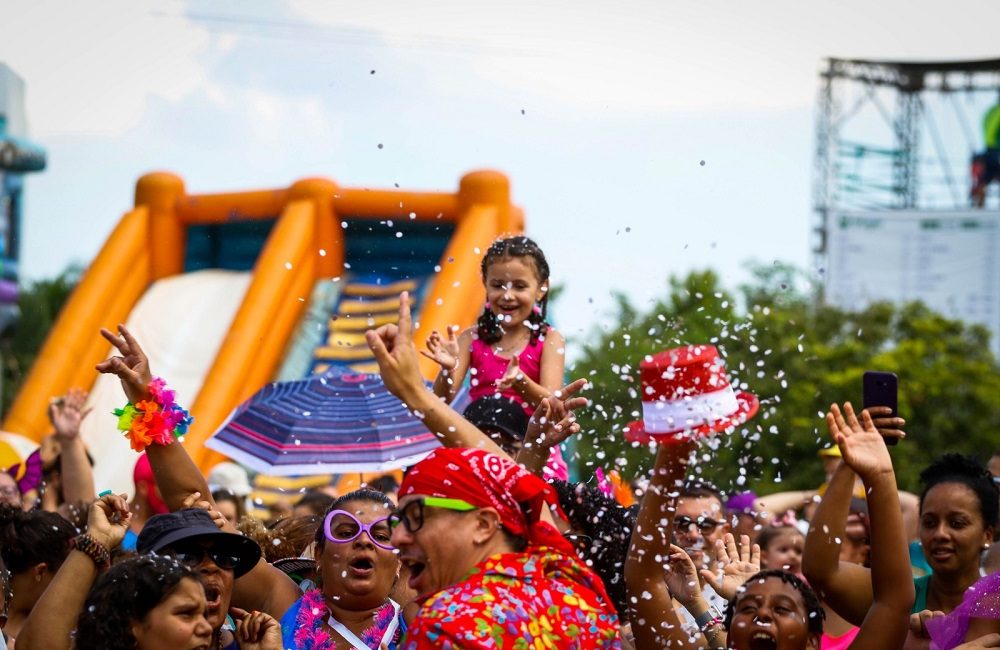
<point x="491" y="573"/>
<point x="472" y="529"/>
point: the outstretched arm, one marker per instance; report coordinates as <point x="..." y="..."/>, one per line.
<point x="264" y="588"/>
<point x="398" y="364"/>
<point x="770" y="505"/>
<point x="864" y="449"/>
<point x="77" y="478"/>
<point x="176" y="474"/>
<point x="651" y="608"/>
<point x="844" y="586"/>
<point x="52" y="620"/>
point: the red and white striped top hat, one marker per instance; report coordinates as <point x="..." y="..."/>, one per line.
<point x="686" y="394"/>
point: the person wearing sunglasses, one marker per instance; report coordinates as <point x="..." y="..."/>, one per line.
<point x="489" y="572"/>
<point x="149" y="602"/>
<point x="217" y="557"/>
<point x="351" y="605"/>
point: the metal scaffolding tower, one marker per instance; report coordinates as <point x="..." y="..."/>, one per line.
<point x="896" y="135"/>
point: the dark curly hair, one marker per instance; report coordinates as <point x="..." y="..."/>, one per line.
<point x="363" y="494"/>
<point x="488" y="327"/>
<point x="814" y="609"/>
<point x="609" y="529"/>
<point x="964" y="470"/>
<point x="32" y="537"/>
<point x="126" y="593"/>
<point x="288" y="537"/>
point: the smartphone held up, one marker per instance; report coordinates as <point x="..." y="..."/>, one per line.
<point x="881" y="389"/>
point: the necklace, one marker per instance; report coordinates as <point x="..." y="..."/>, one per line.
<point x="310" y="634"/>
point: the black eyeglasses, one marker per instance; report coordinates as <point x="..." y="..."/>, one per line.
<point x="412" y="514"/>
<point x="194" y="555"/>
<point x="705" y="524"/>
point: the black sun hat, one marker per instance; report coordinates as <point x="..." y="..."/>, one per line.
<point x="498" y="413"/>
<point x="163" y="531"/>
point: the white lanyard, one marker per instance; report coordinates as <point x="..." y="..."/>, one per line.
<point x="342" y="630"/>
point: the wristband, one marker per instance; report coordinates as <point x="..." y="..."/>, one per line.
<point x="92" y="549"/>
<point x="709" y="618"/>
<point x="156" y="420"/>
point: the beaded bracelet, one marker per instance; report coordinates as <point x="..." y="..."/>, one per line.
<point x="92" y="549"/>
<point x="710" y="624"/>
<point x="155" y="420"/>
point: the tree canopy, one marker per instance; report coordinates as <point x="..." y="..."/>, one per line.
<point x="798" y="356"/>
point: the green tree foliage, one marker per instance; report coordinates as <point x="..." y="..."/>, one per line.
<point x="797" y="356"/>
<point x="39" y="304"/>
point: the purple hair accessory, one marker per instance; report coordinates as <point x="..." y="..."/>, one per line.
<point x="29" y="474"/>
<point x="742" y="502"/>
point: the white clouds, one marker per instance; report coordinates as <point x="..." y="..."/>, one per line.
<point x="92" y="70"/>
<point x="653" y="55"/>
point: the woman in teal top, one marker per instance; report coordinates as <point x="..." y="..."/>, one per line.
<point x="958" y="512"/>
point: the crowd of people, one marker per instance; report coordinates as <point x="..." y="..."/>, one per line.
<point x="485" y="543"/>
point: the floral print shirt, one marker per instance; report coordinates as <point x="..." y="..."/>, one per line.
<point x="537" y="599"/>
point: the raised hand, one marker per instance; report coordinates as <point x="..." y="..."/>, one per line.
<point x="395" y="353"/>
<point x="108" y="520"/>
<point x="66" y="413"/>
<point x="554" y="421"/>
<point x="256" y="630"/>
<point x="681" y="577"/>
<point x="737" y="565"/>
<point x="861" y="445"/>
<point x="444" y="352"/>
<point x="132" y="367"/>
<point x="512" y="375"/>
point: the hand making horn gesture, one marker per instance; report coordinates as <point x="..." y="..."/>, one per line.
<point x="132" y="367"/>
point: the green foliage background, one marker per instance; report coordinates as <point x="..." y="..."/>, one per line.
<point x="797" y="356"/>
<point x="39" y="303"/>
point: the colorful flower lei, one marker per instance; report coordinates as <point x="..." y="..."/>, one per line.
<point x="309" y="632"/>
<point x="156" y="420"/>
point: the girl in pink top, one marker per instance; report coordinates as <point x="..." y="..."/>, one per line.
<point x="512" y="350"/>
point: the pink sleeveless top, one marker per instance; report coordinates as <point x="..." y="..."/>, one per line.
<point x="843" y="642"/>
<point x="486" y="368"/>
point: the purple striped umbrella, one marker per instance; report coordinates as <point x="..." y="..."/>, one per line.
<point x="333" y="423"/>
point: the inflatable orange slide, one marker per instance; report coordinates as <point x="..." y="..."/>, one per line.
<point x="230" y="291"/>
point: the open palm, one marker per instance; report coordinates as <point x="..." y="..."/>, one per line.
<point x="443" y="351"/>
<point x="861" y="445"/>
<point x="737" y="564"/>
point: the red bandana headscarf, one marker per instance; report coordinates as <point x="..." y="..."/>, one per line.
<point x="486" y="480"/>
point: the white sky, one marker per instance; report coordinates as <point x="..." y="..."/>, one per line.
<point x="622" y="102"/>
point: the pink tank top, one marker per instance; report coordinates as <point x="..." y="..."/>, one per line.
<point x="842" y="642"/>
<point x="486" y="367"/>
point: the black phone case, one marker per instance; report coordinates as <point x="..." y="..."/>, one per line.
<point x="881" y="389"/>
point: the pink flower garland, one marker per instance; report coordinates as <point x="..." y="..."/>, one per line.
<point x="310" y="635"/>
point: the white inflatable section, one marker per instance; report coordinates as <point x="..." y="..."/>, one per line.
<point x="180" y="322"/>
